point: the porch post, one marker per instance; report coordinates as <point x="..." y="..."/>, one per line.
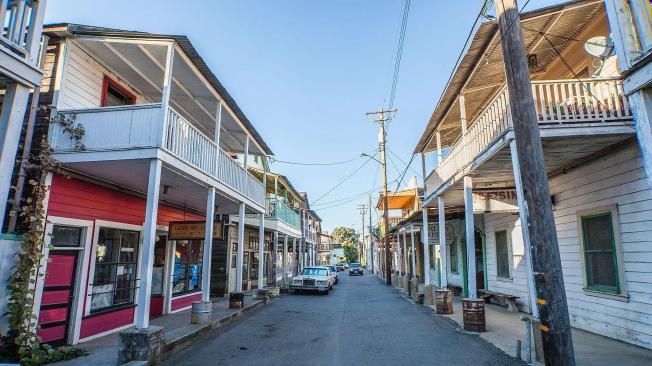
<point x="149" y="238"/>
<point x="285" y="260"/>
<point x="293" y="257"/>
<point x="406" y="264"/>
<point x="246" y="155"/>
<point x="167" y="80"/>
<point x="414" y="253"/>
<point x="462" y="112"/>
<point x="208" y="245"/>
<point x="218" y="123"/>
<point x="240" y="254"/>
<point x="261" y="251"/>
<point x="424" y="227"/>
<point x="399" y="260"/>
<point x="11" y="122"/>
<point x="443" y="249"/>
<point x="522" y="213"/>
<point x="470" y="237"/>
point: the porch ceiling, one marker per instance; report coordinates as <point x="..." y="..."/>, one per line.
<point x="131" y="176"/>
<point x="560" y="154"/>
<point x="480" y="74"/>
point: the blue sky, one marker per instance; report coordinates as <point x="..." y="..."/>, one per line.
<point x="305" y="72"/>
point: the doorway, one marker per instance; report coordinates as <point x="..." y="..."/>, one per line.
<point x="480" y="263"/>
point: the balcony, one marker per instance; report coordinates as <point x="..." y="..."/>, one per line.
<point x="563" y="107"/>
<point x="130" y="132"/>
<point x="276" y="209"/>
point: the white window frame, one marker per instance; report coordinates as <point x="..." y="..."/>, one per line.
<point x="615" y="222"/>
<point x="510" y="252"/>
<point x="96" y="234"/>
<point x="81" y="272"/>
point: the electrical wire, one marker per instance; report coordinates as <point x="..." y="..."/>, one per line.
<point x="352" y="197"/>
<point x="403" y="161"/>
<point x="399" y="53"/>
<point x="509" y="27"/>
<point x="347" y="201"/>
<point x="274" y="160"/>
<point x="345" y="178"/>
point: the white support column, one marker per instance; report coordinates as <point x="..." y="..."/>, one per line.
<point x="261" y="251"/>
<point x="35" y="30"/>
<point x="246" y="153"/>
<point x="443" y="249"/>
<point x="240" y="254"/>
<point x="145" y="267"/>
<point x="399" y="260"/>
<point x="414" y="253"/>
<point x="470" y="237"/>
<point x="285" y="260"/>
<point x="439" y="154"/>
<point x="11" y="122"/>
<point x="522" y="213"/>
<point x="218" y="122"/>
<point x="406" y="264"/>
<point x="424" y="227"/>
<point x="293" y="258"/>
<point x="167" y="79"/>
<point x="462" y="112"/>
<point x="208" y="246"/>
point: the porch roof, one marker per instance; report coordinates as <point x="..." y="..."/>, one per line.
<point x="66" y="30"/>
<point x="480" y="73"/>
<point x="400" y="199"/>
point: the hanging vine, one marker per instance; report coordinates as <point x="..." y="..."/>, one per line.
<point x="22" y="342"/>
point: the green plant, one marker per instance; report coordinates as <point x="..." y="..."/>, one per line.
<point x="21" y="342"/>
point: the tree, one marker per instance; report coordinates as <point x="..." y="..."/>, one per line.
<point x="349" y="240"/>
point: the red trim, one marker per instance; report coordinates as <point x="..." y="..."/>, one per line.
<point x="105" y="87"/>
<point x="155" y="306"/>
<point x="96" y="324"/>
<point x="185" y="302"/>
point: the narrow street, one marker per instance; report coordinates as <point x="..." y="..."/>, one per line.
<point x="361" y="322"/>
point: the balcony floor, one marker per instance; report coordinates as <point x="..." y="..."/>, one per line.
<point x="562" y="151"/>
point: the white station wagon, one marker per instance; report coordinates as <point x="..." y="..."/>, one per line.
<point x="313" y="279"/>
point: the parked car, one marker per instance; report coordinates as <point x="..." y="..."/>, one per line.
<point x="356" y="269"/>
<point x="346" y="265"/>
<point x="340" y="267"/>
<point x="313" y="279"/>
<point x="334" y="271"/>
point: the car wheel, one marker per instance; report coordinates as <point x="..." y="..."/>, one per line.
<point x="292" y="291"/>
<point x="326" y="292"/>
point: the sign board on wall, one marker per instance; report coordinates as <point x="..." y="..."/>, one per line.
<point x="193" y="230"/>
<point x="433" y="233"/>
<point x="502" y="200"/>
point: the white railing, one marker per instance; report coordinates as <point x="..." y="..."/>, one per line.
<point x="143" y="126"/>
<point x="21" y="20"/>
<point x="559" y="103"/>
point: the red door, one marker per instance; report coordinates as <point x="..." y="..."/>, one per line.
<point x="58" y="295"/>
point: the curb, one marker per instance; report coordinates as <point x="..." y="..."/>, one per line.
<point x="175" y="345"/>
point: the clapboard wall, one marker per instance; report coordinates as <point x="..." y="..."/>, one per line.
<point x="617" y="179"/>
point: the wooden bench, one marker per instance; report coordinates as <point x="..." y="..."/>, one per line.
<point x="510" y="300"/>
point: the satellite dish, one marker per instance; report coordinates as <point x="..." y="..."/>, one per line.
<point x="599" y="46"/>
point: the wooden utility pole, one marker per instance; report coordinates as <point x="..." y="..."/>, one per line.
<point x="371" y="240"/>
<point x="546" y="262"/>
<point x="363" y="210"/>
<point x="384" y="117"/>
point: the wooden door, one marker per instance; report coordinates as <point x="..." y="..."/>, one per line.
<point x="58" y="297"/>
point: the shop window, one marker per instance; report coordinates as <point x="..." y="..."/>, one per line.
<point x="253" y="242"/>
<point x="600" y="252"/>
<point x="453" y="256"/>
<point x="502" y="254"/>
<point x="66" y="236"/>
<point x="187" y="266"/>
<point x="254" y="267"/>
<point x="114" y="280"/>
<point x="433" y="256"/>
<point x="114" y="94"/>
<point x="158" y="270"/>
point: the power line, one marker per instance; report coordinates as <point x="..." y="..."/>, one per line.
<point x="344" y="179"/>
<point x="399" y="52"/>
<point x="274" y="160"/>
<point x="403" y="174"/>
<point x="348" y="198"/>
<point x="403" y="161"/>
<point x="394" y="165"/>
<point x="510" y="26"/>
<point x="343" y="203"/>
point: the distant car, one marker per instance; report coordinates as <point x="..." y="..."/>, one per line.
<point x="340" y="267"/>
<point x="334" y="270"/>
<point x="346" y="265"/>
<point x="313" y="279"/>
<point x="356" y="269"/>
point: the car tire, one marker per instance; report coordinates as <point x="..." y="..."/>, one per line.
<point x="292" y="291"/>
<point x="326" y="292"/>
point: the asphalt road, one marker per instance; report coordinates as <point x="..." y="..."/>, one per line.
<point x="361" y="322"/>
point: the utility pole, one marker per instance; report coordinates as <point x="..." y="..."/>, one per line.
<point x="371" y="240"/>
<point x="546" y="263"/>
<point x="363" y="210"/>
<point x="382" y="117"/>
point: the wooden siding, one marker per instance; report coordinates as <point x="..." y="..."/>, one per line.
<point x="617" y="179"/>
<point x="82" y="81"/>
<point x="185" y="302"/>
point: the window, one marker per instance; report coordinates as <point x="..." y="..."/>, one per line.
<point x="502" y="254"/>
<point x="66" y="236"/>
<point x="640" y="18"/>
<point x="433" y="256"/>
<point x="453" y="256"/>
<point x="114" y="280"/>
<point x="253" y="242"/>
<point x="158" y="270"/>
<point x="600" y="256"/>
<point x="114" y="94"/>
<point x="254" y="267"/>
<point x="187" y="266"/>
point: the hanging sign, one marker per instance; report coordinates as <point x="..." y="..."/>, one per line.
<point x="501" y="200"/>
<point x="193" y="230"/>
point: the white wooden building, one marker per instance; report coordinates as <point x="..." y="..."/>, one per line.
<point x="594" y="154"/>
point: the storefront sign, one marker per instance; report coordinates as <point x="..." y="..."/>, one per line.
<point x="193" y="230"/>
<point x="503" y="200"/>
<point x="433" y="233"/>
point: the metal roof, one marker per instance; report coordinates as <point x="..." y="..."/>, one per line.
<point x="71" y="29"/>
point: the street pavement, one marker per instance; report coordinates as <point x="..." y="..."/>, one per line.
<point x="361" y="322"/>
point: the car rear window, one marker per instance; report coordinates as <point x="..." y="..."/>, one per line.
<point x="355" y="265"/>
<point x="314" y="272"/>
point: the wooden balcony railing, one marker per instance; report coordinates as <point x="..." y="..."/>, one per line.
<point x="22" y="21"/>
<point x="560" y="103"/>
<point x="277" y="209"/>
<point x="143" y="126"/>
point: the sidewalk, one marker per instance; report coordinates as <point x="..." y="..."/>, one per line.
<point x="178" y="332"/>
<point x="504" y="328"/>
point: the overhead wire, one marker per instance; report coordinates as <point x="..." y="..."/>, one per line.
<point x="399" y="53"/>
<point x="274" y="160"/>
<point x="403" y="161"/>
<point x="343" y="180"/>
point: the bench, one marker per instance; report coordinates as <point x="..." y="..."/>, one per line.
<point x="510" y="300"/>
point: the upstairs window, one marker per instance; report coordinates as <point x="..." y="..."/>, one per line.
<point x="114" y="94"/>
